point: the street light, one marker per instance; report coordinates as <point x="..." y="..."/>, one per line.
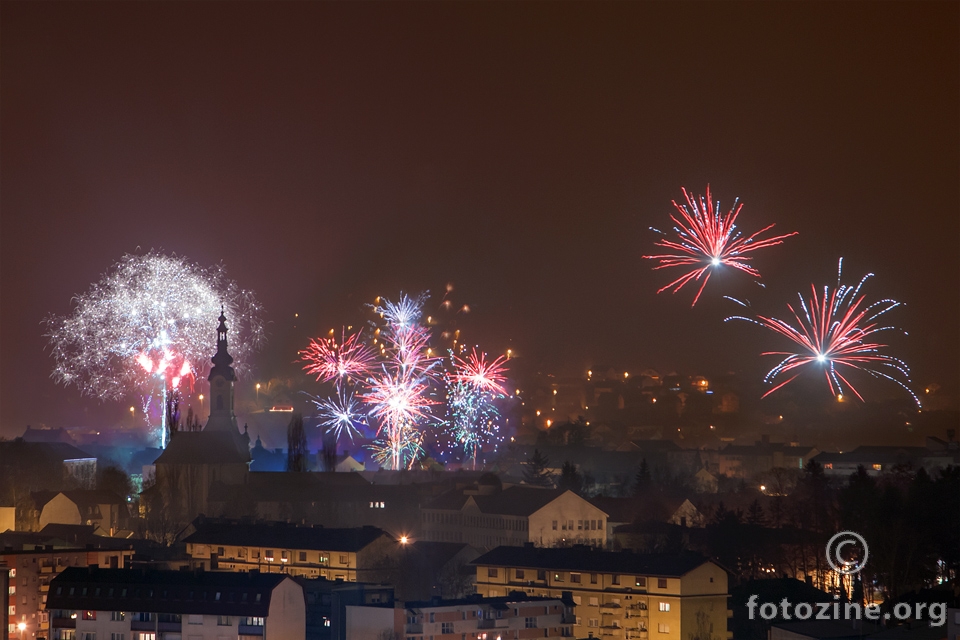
<point x="201" y="403"/>
<point x="21" y="626"/>
<point x="258" y="392"/>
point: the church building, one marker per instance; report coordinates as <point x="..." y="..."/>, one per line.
<point x="194" y="460"/>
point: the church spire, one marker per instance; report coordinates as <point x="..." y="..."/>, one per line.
<point x="222" y="379"/>
<point x="222" y="360"/>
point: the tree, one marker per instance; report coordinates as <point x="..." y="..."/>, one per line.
<point x="642" y="481"/>
<point x="570" y="478"/>
<point x="115" y="480"/>
<point x="755" y="514"/>
<point x="172" y="410"/>
<point x="296" y="444"/>
<point x="535" y="470"/>
<point x="193" y="421"/>
<point x="329" y="452"/>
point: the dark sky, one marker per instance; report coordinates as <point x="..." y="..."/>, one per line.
<point x="327" y="153"/>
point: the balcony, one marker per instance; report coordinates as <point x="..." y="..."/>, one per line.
<point x="143" y="625"/>
<point x="413" y="628"/>
<point x="63" y="623"/>
<point x="171" y="627"/>
<point x="250" y="630"/>
<point x="611" y="605"/>
<point x="492" y="623"/>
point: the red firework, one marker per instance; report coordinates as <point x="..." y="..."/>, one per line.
<point x="707" y="239"/>
<point x="350" y="360"/>
<point x="477" y="371"/>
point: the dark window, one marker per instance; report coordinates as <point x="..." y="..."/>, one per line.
<point x="661" y="583"/>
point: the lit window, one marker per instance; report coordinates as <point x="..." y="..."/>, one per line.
<point x="663" y="628"/>
<point x="877" y="467"/>
<point x="664" y="606"/>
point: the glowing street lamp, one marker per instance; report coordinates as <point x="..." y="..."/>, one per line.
<point x="258" y="392"/>
<point x="21" y="627"/>
<point x="201" y="403"/>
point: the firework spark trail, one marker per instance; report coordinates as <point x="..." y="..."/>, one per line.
<point x="833" y="329"/>
<point x="349" y="361"/>
<point x="155" y="309"/>
<point x="472" y="418"/>
<point x="707" y="239"/>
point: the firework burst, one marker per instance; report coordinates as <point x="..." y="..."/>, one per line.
<point x="348" y="361"/>
<point x="835" y="330"/>
<point x="341" y="415"/>
<point x="475" y="370"/>
<point x="147" y="325"/>
<point x="707" y="239"/>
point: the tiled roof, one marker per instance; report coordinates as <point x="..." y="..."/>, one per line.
<point x="281" y="535"/>
<point x="205" y="447"/>
<point x="183" y="592"/>
<point x="579" y="558"/>
<point x="515" y="501"/>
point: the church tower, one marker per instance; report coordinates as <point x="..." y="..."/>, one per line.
<point x="222" y="379"/>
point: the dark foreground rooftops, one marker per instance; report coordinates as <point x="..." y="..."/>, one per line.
<point x="588" y="559"/>
<point x="183" y="592"/>
<point x="281" y="535"/>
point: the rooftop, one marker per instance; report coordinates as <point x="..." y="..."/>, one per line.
<point x="587" y="559"/>
<point x="154" y="591"/>
<point x="281" y="535"/>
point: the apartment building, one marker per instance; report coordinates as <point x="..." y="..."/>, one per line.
<point x="132" y="604"/>
<point x="487" y="517"/>
<point x="350" y="555"/>
<point x="617" y="594"/>
<point x="509" y="617"/>
<point x="31" y="572"/>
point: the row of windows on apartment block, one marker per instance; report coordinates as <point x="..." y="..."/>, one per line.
<point x="479" y="614"/>
<point x="162" y="594"/>
<point x="582" y="525"/>
<point x="486" y="522"/>
<point x="448" y="627"/>
<point x="146" y="616"/>
<point x="642" y="626"/>
<point x="576" y="578"/>
<point x="70" y="634"/>
<point x="285" y="556"/>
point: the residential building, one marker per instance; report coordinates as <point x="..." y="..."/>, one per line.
<point x="515" y="615"/>
<point x="746" y="461"/>
<point x="31" y="572"/>
<point x="131" y="604"/>
<point x="102" y="509"/>
<point x="617" y="593"/>
<point x="879" y="459"/>
<point x="327" y="602"/>
<point x="486" y="517"/>
<point x="333" y="499"/>
<point x="351" y="555"/>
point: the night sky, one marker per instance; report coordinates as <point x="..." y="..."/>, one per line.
<point x="327" y="153"/>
